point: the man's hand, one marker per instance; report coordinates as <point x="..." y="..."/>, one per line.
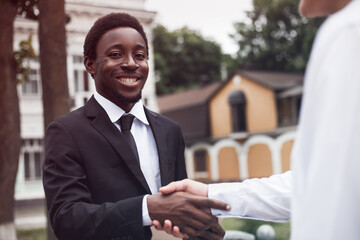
<point x="214" y="233"/>
<point x="186" y="185"/>
<point x="169" y="229"/>
<point x="190" y="213"/>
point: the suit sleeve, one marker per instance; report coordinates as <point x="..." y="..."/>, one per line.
<point x="180" y="172"/>
<point x="72" y="212"/>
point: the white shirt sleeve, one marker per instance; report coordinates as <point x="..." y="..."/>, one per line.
<point x="263" y="199"/>
<point x="145" y="213"/>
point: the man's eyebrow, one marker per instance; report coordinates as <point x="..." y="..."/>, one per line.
<point x="140" y="46"/>
<point x="120" y="46"/>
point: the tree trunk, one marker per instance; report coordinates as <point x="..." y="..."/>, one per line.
<point x="52" y="39"/>
<point x="10" y="121"/>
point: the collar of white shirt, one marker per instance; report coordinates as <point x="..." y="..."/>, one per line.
<point x="115" y="112"/>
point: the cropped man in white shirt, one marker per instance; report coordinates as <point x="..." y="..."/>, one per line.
<point x="321" y="194"/>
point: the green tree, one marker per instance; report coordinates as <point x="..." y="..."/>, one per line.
<point x="25" y="51"/>
<point x="184" y="59"/>
<point x="277" y="38"/>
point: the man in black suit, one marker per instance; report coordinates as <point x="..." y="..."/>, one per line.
<point x="101" y="181"/>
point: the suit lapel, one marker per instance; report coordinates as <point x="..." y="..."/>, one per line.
<point x="101" y="122"/>
<point x="166" y="158"/>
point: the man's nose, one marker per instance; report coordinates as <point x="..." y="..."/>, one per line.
<point x="129" y="63"/>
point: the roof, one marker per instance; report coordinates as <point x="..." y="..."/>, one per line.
<point x="295" y="91"/>
<point x="277" y="81"/>
<point x="188" y="98"/>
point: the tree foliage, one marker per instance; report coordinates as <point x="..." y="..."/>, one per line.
<point x="28" y="8"/>
<point x="24" y="53"/>
<point x="184" y="59"/>
<point x="277" y="37"/>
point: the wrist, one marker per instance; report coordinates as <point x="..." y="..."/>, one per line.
<point x="152" y="203"/>
<point x="207" y="190"/>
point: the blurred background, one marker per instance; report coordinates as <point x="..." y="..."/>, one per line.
<point x="230" y="73"/>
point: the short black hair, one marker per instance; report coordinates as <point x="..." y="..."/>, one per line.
<point x="106" y="23"/>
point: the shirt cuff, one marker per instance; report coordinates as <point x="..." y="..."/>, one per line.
<point x="215" y="191"/>
<point x="145" y="213"/>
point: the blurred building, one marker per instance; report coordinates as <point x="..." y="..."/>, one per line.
<point x="83" y="13"/>
<point x="240" y="128"/>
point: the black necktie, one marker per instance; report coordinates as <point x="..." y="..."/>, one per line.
<point x="125" y="123"/>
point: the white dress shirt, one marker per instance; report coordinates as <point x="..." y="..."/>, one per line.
<point x="326" y="155"/>
<point x="145" y="142"/>
<point x="264" y="198"/>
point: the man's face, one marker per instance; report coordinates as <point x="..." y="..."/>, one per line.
<point x="120" y="69"/>
<point x="319" y="8"/>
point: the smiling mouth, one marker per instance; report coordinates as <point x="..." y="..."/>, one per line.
<point x="127" y="80"/>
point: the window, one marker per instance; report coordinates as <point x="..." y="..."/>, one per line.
<point x="81" y="77"/>
<point x="288" y="110"/>
<point x="32" y="157"/>
<point x="201" y="164"/>
<point x="27" y="165"/>
<point x="78" y="59"/>
<point x="81" y="81"/>
<point x="237" y="101"/>
<point x="76" y="81"/>
<point x="31" y="85"/>
<point x="200" y="161"/>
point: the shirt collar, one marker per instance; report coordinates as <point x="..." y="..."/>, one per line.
<point x="115" y="112"/>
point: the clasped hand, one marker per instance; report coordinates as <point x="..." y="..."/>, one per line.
<point x="185" y="206"/>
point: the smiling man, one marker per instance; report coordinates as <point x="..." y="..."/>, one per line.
<point x="105" y="162"/>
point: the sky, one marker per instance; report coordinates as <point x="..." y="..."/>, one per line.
<point x="213" y="19"/>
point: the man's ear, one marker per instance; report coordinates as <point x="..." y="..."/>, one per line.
<point x="89" y="65"/>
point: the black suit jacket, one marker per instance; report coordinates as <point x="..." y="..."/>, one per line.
<point x="94" y="186"/>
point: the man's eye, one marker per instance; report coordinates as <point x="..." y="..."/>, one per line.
<point x="114" y="54"/>
<point x="140" y="56"/>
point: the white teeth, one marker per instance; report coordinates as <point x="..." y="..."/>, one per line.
<point x="128" y="80"/>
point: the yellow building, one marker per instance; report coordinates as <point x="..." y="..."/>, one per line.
<point x="240" y="128"/>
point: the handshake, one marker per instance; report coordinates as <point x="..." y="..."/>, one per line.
<point x="183" y="210"/>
